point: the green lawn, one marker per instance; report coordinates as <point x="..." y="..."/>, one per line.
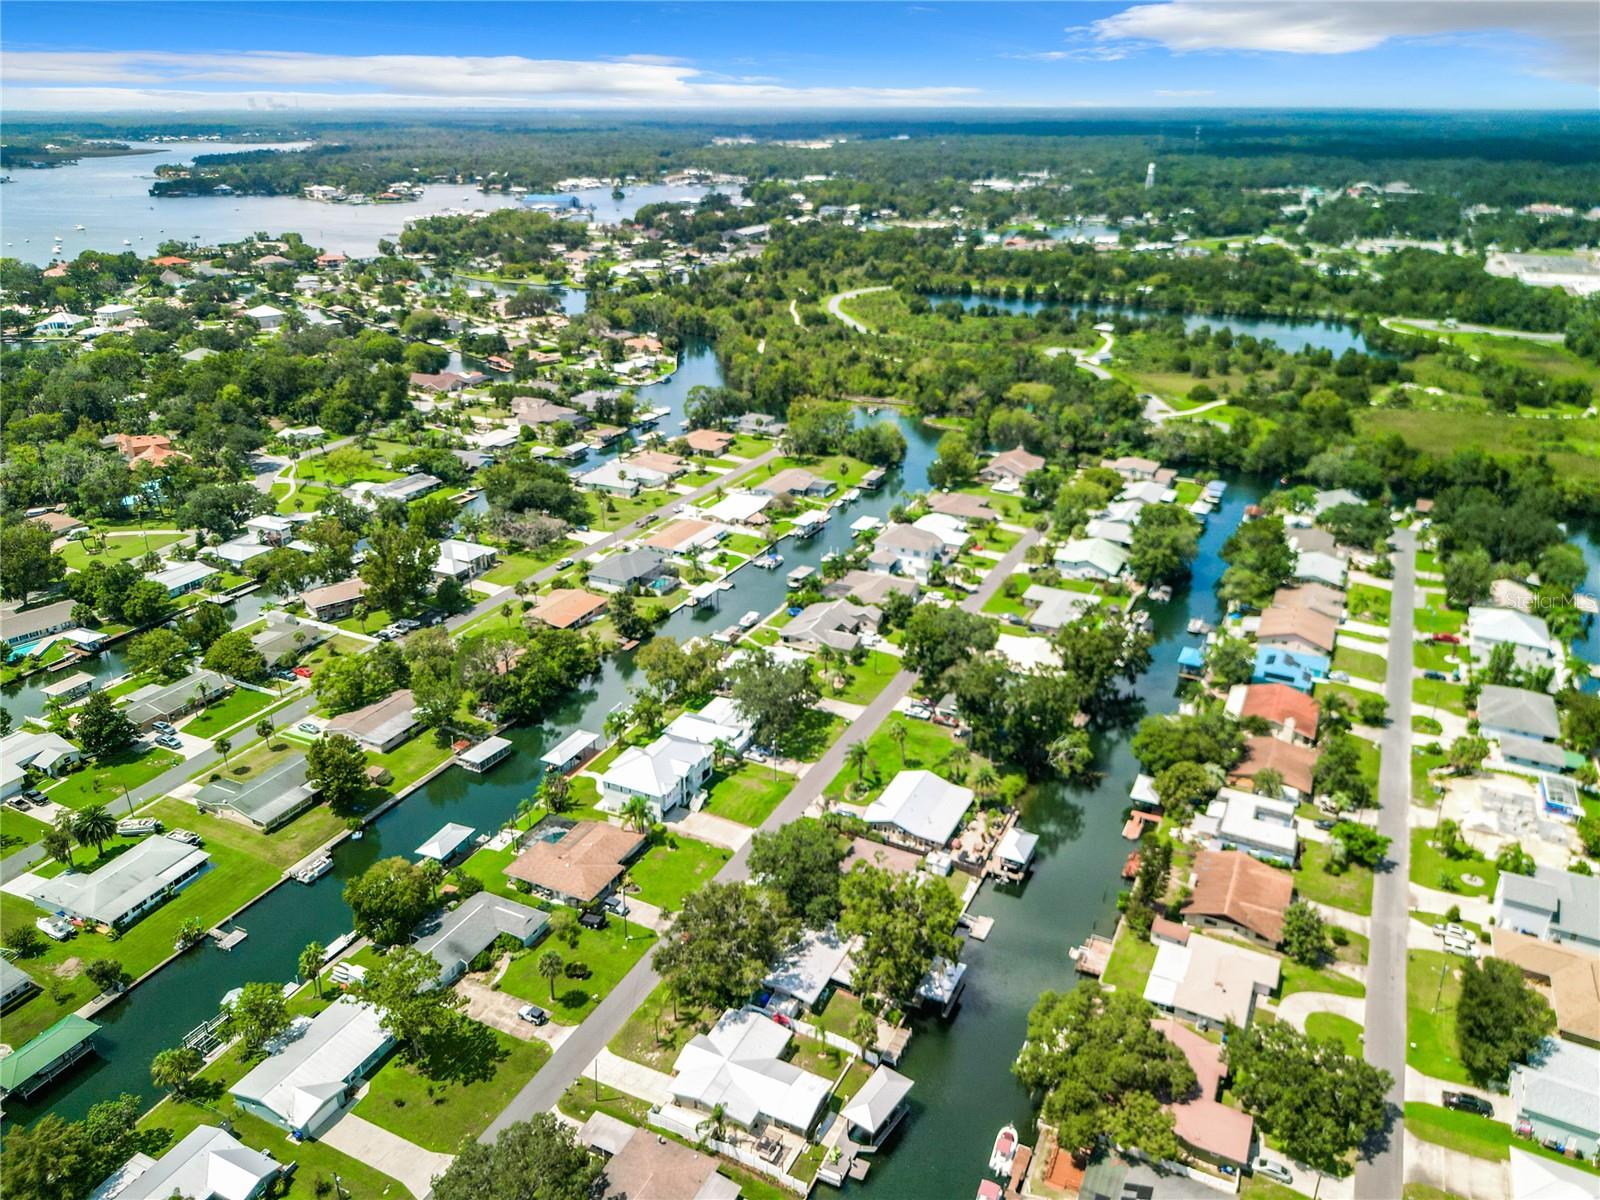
<point x="19" y="829"/>
<point x="749" y="794"/>
<point x="240" y="705"/>
<point x="1481" y="1137"/>
<point x="1361" y="664"/>
<point x="281" y="848"/>
<point x="1439" y="693"/>
<point x="927" y="747"/>
<point x="1433" y="989"/>
<point x="864" y="683"/>
<point x="233" y="879"/>
<point x="513" y="567"/>
<point x="1422" y="788"/>
<point x="1435" y="617"/>
<point x="444" y="1113"/>
<point x="1431" y="868"/>
<point x="603" y="951"/>
<point x="119" y="548"/>
<point x="1368" y="603"/>
<point x="1297" y="978"/>
<point x="102" y="782"/>
<point x="1332" y="1027"/>
<point x="668" y="872"/>
<point x="410" y="761"/>
<point x="1434" y="656"/>
<point x="1351" y="891"/>
<point x="659" y="1028"/>
<point x="1131" y="962"/>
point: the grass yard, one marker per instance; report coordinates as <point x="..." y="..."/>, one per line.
<point x="1130" y="964"/>
<point x="120" y="547"/>
<point x="1434" y="656"/>
<point x="1433" y="617"/>
<point x="927" y="747"/>
<point x="1351" y="891"/>
<point x="1361" y="664"/>
<point x="658" y="1030"/>
<point x="410" y="761"/>
<point x="281" y="848"/>
<point x="19" y="829"/>
<point x="749" y="794"/>
<point x="443" y="1114"/>
<point x="1481" y="1137"/>
<point x="668" y="872"/>
<point x="234" y="879"/>
<point x="865" y="682"/>
<point x="513" y="567"/>
<point x="1297" y="978"/>
<point x="1334" y="1028"/>
<point x="1368" y="603"/>
<point x="587" y="1096"/>
<point x="1433" y="989"/>
<point x="603" y="951"/>
<point x="102" y="782"/>
<point x="238" y="706"/>
<point x="1432" y="869"/>
<point x="1439" y="694"/>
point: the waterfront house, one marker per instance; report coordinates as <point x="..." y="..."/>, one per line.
<point x="266" y="316"/>
<point x="460" y="935"/>
<point x="1528" y="636"/>
<point x="286" y="639"/>
<point x="719" y="721"/>
<point x="1118" y="532"/>
<point x="381" y="725"/>
<point x="811" y="969"/>
<point x="1333" y="498"/>
<point x="621" y="479"/>
<point x="794" y="481"/>
<point x="266" y="801"/>
<point x="170" y="701"/>
<point x="1239" y="895"/>
<point x="686" y="536"/>
<point x="836" y="623"/>
<point x="1568" y="977"/>
<point x="738" y="508"/>
<point x="1301" y="630"/>
<point x="668" y="773"/>
<point x="16" y="984"/>
<point x="1318" y="597"/>
<point x="870" y="587"/>
<point x="568" y="608"/>
<point x="920" y="810"/>
<point x="181" y="578"/>
<point x="59" y="324"/>
<point x="1015" y="464"/>
<point x="952" y="531"/>
<point x="439" y="383"/>
<point x="711" y="442"/>
<point x="668" y="465"/>
<point x="1132" y="468"/>
<point x="1259" y="825"/>
<point x="1292" y="714"/>
<point x="404" y="489"/>
<point x="461" y="560"/>
<point x="1276" y="664"/>
<point x="207" y="1162"/>
<point x="645" y="1164"/>
<point x="1209" y="1129"/>
<point x="20" y="626"/>
<point x="1517" y="713"/>
<point x="907" y="550"/>
<point x="32" y="750"/>
<point x="316" y="1068"/>
<point x="639" y="567"/>
<point x="542" y="415"/>
<point x="962" y="505"/>
<point x="1314" y="566"/>
<point x="1551" y="904"/>
<point x="1204" y="979"/>
<point x="1294" y="762"/>
<point x="1556" y="1096"/>
<point x="1091" y="558"/>
<point x="739" y="1068"/>
<point x="581" y="866"/>
<point x="46" y="1055"/>
<point x="125" y="888"/>
<point x="334" y="602"/>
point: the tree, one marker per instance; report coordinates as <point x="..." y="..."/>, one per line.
<point x="1184" y="787"/>
<point x="538" y="1159"/>
<point x="898" y="732"/>
<point x="411" y="1006"/>
<point x="555" y="791"/>
<point x="398" y="566"/>
<point x="1105" y="1071"/>
<point x="956" y="464"/>
<point x="101" y="727"/>
<point x="775" y="697"/>
<point x="1318" y="1102"/>
<point x="1072" y="754"/>
<point x="564" y="928"/>
<point x="723" y="942"/>
<point x="58" y="843"/>
<point x="146" y="602"/>
<point x="106" y="974"/>
<point x="1268" y="782"/>
<point x="174" y="1070"/>
<point x="1231" y="661"/>
<point x="800" y="861"/>
<point x="1207" y="736"/>
<point x="1467" y="754"/>
<point x="1305" y="937"/>
<point x="904" y="923"/>
<point x="223" y="745"/>
<point x="388" y="899"/>
<point x="1514" y="860"/>
<point x="162" y="652"/>
<point x="1259" y="561"/>
<point x="938" y="636"/>
<point x="637" y="814"/>
<point x="1362" y="843"/>
<point x="1338" y="770"/>
<point x="258" y="1015"/>
<point x="309" y="964"/>
<point x="235" y="655"/>
<point x="1165" y="542"/>
<point x="630" y="622"/>
<point x="31" y="566"/>
<point x="435" y="676"/>
<point x="550" y="964"/>
<point x="337" y="767"/>
<point x="1373" y="710"/>
<point x="1467" y="577"/>
<point x="204" y="625"/>
<point x="1500" y="1020"/>
<point x="94" y="826"/>
<point x="53" y="1160"/>
<point x="24" y="941"/>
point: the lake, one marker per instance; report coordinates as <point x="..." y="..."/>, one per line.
<point x="110" y="198"/>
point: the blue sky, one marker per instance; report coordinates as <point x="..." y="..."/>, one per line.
<point x="1522" y="54"/>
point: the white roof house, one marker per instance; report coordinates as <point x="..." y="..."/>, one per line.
<point x="461" y="559"/>
<point x="719" y="720"/>
<point x="667" y="773"/>
<point x="1527" y="634"/>
<point x="126" y="887"/>
<point x="820" y="959"/>
<point x="1119" y="532"/>
<point x="1319" y="567"/>
<point x="1055" y="607"/>
<point x="39" y="749"/>
<point x="1559" y="1093"/>
<point x="1092" y="558"/>
<point x="738" y="1066"/>
<point x="922" y="806"/>
<point x="736" y="508"/>
<point x="60" y="322"/>
<point x="1262" y="826"/>
<point x="877" y="1102"/>
<point x="181" y="577"/>
<point x="1539" y="1177"/>
<point x="952" y="531"/>
<point x="307" y="1080"/>
<point x="442" y="845"/>
<point x="622" y="478"/>
<point x="1207" y="979"/>
<point x="209" y="1162"/>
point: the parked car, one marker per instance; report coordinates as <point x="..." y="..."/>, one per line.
<point x="617" y="904"/>
<point x="385" y="635"/>
<point x="169" y="741"/>
<point x="34" y="796"/>
<point x="1449" y="638"/>
<point x="1268" y="1169"/>
<point x="1325" y="824"/>
<point x="301" y="672"/>
<point x="406" y="624"/>
<point x="563" y="564"/>
<point x="1339" y="676"/>
<point x="309" y="727"/>
<point x="1461" y="946"/>
<point x="593" y="920"/>
<point x="1434" y="675"/>
<point x="533" y="1014"/>
<point x="919" y="712"/>
<point x="1467" y="1102"/>
<point x="163" y="727"/>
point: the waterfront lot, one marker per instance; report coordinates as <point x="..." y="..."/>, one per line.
<point x="927" y="747"/>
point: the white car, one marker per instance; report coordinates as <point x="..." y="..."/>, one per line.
<point x="919" y="712"/>
<point x="309" y="727"/>
<point x="1268" y="1169"/>
<point x="1460" y="946"/>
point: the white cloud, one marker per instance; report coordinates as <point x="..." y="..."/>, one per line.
<point x="99" y="80"/>
<point x="1566" y="30"/>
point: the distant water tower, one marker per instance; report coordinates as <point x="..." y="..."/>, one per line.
<point x="1149" y="177"/>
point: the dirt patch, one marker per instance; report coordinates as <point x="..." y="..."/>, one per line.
<point x="68" y="968"/>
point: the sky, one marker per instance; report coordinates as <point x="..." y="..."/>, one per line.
<point x="319" y="55"/>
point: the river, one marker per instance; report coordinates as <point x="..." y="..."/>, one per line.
<point x="110" y="198"/>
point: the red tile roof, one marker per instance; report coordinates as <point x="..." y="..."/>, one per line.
<point x="1294" y="762"/>
<point x="1277" y="703"/>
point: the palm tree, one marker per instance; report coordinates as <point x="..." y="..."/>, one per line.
<point x="525" y="808"/>
<point x="858" y="756"/>
<point x="94" y="826"/>
<point x="310" y="964"/>
<point x="636" y="812"/>
<point x="223" y="745"/>
<point x="616" y="724"/>
<point x="721" y="752"/>
<point x="264" y="728"/>
<point x="985" y="782"/>
<point x="715" y="1125"/>
<point x="898" y="732"/>
<point x="554" y="791"/>
<point x="433" y="871"/>
<point x="174" y="1069"/>
<point x="550" y="965"/>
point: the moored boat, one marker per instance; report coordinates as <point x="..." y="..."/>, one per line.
<point x="1005" y="1151"/>
<point x="315" y="869"/>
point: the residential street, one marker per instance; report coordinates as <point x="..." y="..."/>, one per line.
<point x="572" y="1058"/>
<point x="1384" y="1174"/>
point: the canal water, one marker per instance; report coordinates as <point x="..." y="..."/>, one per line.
<point x="110" y="198"/>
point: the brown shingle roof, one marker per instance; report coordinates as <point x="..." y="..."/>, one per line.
<point x="677" y="534"/>
<point x="1315" y="628"/>
<point x="708" y="441"/>
<point x="565" y="607"/>
<point x="1318" y="597"/>
<point x="1277" y="704"/>
<point x="959" y="504"/>
<point x="1295" y="763"/>
<point x="1570" y="978"/>
<point x="582" y="864"/>
<point x="1231" y="884"/>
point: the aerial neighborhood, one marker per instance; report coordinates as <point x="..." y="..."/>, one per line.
<point x="720" y="694"/>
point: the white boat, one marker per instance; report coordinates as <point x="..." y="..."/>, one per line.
<point x="750" y="620"/>
<point x="1197" y="626"/>
<point x="315" y="869"/>
<point x="79" y="228"/>
<point x="1005" y="1151"/>
<point x="1160" y="595"/>
<point x="770" y="562"/>
<point x="126" y="242"/>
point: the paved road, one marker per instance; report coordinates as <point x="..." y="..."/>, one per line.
<point x="835" y="311"/>
<point x="573" y="1057"/>
<point x="1384" y="1173"/>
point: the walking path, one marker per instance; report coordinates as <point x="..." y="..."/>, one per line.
<point x="574" y="1057"/>
<point x="1297" y="1007"/>
<point x="834" y="309"/>
<point x="1384" y="1173"/>
<point x="387" y="1152"/>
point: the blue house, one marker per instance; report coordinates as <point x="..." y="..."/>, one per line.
<point x="1275" y="664"/>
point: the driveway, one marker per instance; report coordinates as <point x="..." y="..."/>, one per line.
<point x="1297" y="1007"/>
<point x="708" y="827"/>
<point x="1454" y="1172"/>
<point x="1428" y="1090"/>
<point x="1354" y="922"/>
<point x="387" y="1152"/>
